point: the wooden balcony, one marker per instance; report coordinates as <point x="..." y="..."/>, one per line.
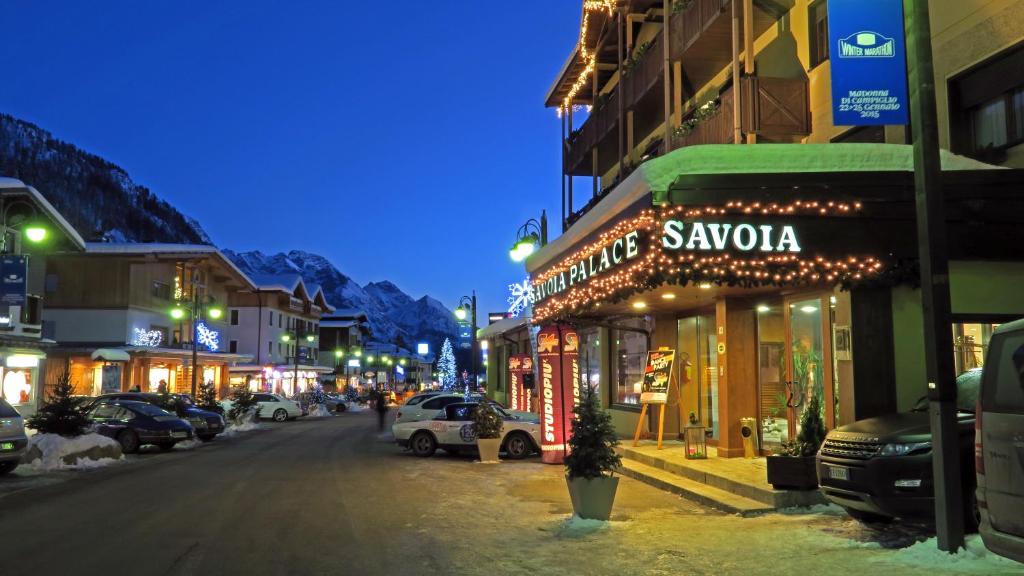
<point x="598" y="131"/>
<point x="769" y="107"/>
<point x="646" y="74"/>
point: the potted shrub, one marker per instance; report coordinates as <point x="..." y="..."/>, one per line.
<point x="487" y="424"/>
<point x="792" y="466"/>
<point x="592" y="460"/>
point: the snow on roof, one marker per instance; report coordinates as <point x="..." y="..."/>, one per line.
<point x="661" y="172"/>
<point x="144" y="248"/>
<point x="337" y="323"/>
<point x="348" y="313"/>
<point x="47" y="209"/>
<point x="283" y="282"/>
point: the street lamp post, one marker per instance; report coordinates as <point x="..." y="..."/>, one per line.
<point x="195" y="311"/>
<point x="467" y="305"/>
<point x="530" y="234"/>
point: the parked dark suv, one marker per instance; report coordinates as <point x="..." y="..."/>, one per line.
<point x="881" y="468"/>
<point x="206" y="424"/>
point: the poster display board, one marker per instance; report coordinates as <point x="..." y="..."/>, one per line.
<point x="867" y="52"/>
<point x="657" y="375"/>
<point x="556" y="394"/>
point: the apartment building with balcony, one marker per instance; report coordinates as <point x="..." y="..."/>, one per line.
<point x="277" y="324"/>
<point x="134" y="315"/>
<point x="713" y="207"/>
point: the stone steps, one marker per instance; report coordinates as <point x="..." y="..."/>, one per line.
<point x="692" y="490"/>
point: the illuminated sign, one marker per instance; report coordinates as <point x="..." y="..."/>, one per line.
<point x="422" y="349"/>
<point x="520" y="296"/>
<point x="353" y="363"/>
<point x="722" y="236"/>
<point x="557" y="353"/>
<point x="150" y="338"/>
<point x="207" y="337"/>
<point x="22" y="361"/>
<point x="622" y="249"/>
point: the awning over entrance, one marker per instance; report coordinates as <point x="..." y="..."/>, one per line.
<point x="111" y="355"/>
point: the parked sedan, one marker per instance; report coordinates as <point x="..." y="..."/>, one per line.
<point x="13" y="441"/>
<point x="206" y="424"/>
<point x="452" y="429"/>
<point x="881" y="468"/>
<point x="134" y="424"/>
<point x="425" y="406"/>
<point x="272" y="406"/>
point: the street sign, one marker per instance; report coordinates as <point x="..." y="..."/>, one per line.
<point x="867" y="51"/>
<point x="465" y="335"/>
<point x="14" y="270"/>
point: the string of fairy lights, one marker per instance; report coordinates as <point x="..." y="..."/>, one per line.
<point x="656" y="266"/>
<point x="589" y="58"/>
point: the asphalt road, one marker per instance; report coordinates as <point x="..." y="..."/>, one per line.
<point x="304" y="497"/>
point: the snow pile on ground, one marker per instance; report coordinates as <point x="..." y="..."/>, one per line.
<point x="188" y="445"/>
<point x="826" y="509"/>
<point x="354" y="407"/>
<point x="54" y="452"/>
<point x="576" y="527"/>
<point x="236" y="429"/>
<point x="319" y="411"/>
<point x="974" y="558"/>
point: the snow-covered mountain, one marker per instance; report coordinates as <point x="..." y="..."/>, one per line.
<point x="97" y="197"/>
<point x="393" y="314"/>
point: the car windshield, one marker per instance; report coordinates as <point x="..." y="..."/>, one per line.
<point x="967" y="386"/>
<point x="6" y="410"/>
<point x="147" y="410"/>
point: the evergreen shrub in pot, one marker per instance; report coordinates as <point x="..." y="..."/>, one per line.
<point x="487" y="424"/>
<point x="592" y="460"/>
<point x="793" y="467"/>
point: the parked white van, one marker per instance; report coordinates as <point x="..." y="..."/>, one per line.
<point x="999" y="443"/>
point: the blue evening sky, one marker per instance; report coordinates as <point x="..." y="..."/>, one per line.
<point x="404" y="140"/>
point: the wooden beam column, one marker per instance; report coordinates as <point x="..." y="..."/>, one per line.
<point x="748" y="52"/>
<point x="667" y="80"/>
<point x="736" y="331"/>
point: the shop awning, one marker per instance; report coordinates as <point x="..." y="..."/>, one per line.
<point x="501" y="327"/>
<point x="111" y="355"/>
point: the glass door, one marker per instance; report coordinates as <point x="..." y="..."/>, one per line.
<point x="771" y="374"/>
<point x="806" y="361"/>
<point x="697" y="359"/>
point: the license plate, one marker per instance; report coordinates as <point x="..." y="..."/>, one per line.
<point x="838" y="473"/>
<point x="180" y="435"/>
<point x="7" y="446"/>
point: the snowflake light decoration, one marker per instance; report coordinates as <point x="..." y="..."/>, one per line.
<point x="151" y="338"/>
<point x="207" y="337"/>
<point x="521" y="296"/>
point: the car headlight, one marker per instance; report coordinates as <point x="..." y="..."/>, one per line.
<point x="198" y="422"/>
<point x="904" y="449"/>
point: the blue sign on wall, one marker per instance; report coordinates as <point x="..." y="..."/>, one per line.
<point x="14" y="270"/>
<point x="869" y="66"/>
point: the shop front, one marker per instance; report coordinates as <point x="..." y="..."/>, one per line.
<point x="773" y="288"/>
<point x="279" y="379"/>
<point x="20" y="378"/>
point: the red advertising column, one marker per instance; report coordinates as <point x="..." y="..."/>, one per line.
<point x="525" y="394"/>
<point x="515" y="382"/>
<point x="555" y="393"/>
<point x="570" y="378"/>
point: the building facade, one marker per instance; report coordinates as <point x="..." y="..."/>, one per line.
<point x="128" y="316"/>
<point x="277" y="324"/>
<point x="776" y="273"/>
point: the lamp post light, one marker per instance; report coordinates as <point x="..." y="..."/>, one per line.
<point x="194" y="310"/>
<point x="530" y="234"/>
<point x="286" y="337"/>
<point x="467" y="308"/>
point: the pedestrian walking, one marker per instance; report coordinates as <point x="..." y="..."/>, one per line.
<point x="382" y="410"/>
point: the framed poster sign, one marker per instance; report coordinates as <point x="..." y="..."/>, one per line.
<point x="657" y="375"/>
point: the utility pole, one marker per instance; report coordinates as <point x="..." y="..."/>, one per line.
<point x="932" y="248"/>
<point x="194" y="286"/>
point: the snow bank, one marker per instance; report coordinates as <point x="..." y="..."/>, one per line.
<point x="576" y="527"/>
<point x="319" y="411"/>
<point x="236" y="429"/>
<point x="54" y="452"/>
<point x="973" y="559"/>
<point x="188" y="445"/>
<point x="354" y="407"/>
<point x="825" y="509"/>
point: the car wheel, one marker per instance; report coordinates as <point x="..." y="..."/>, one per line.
<point x="207" y="437"/>
<point x="423" y="444"/>
<point x="7" y="467"/>
<point x="165" y="446"/>
<point x="340" y="408"/>
<point x="868" y="517"/>
<point x="129" y="442"/>
<point x="280" y="415"/>
<point x="517" y="446"/>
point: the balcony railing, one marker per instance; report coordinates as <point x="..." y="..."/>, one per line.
<point x="598" y="126"/>
<point x="646" y="73"/>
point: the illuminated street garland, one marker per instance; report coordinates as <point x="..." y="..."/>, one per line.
<point x="656" y="265"/>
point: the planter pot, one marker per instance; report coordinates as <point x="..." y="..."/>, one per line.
<point x="592" y="497"/>
<point x="792" y="472"/>
<point x="488" y="449"/>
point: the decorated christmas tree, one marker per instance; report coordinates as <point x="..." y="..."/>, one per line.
<point x="62" y="413"/>
<point x="317" y="396"/>
<point x="243" y="405"/>
<point x="446" y="366"/>
<point x="208" y="398"/>
<point x="592" y="445"/>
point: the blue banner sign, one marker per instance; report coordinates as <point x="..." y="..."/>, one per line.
<point x="869" y="66"/>
<point x="14" y="270"/>
<point x="465" y="334"/>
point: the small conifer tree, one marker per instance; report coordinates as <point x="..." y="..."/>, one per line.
<point x="592" y="445"/>
<point x="62" y="413"/>
<point x="208" y="398"/>
<point x="243" y="405"/>
<point x="486" y="421"/>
